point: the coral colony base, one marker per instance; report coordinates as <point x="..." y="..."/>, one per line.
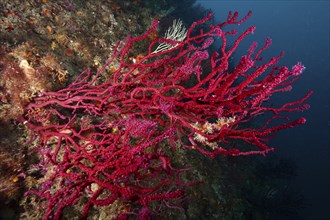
<point x="103" y="142"/>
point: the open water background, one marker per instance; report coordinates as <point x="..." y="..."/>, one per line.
<point x="301" y="29"/>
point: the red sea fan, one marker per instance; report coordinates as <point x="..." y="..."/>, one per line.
<point x="103" y="137"/>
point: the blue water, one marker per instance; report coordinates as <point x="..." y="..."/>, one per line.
<point x="301" y="29"/>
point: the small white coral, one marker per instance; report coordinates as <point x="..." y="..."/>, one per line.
<point x="224" y="121"/>
<point x="28" y="71"/>
<point x="176" y="32"/>
<point x="210" y="128"/>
